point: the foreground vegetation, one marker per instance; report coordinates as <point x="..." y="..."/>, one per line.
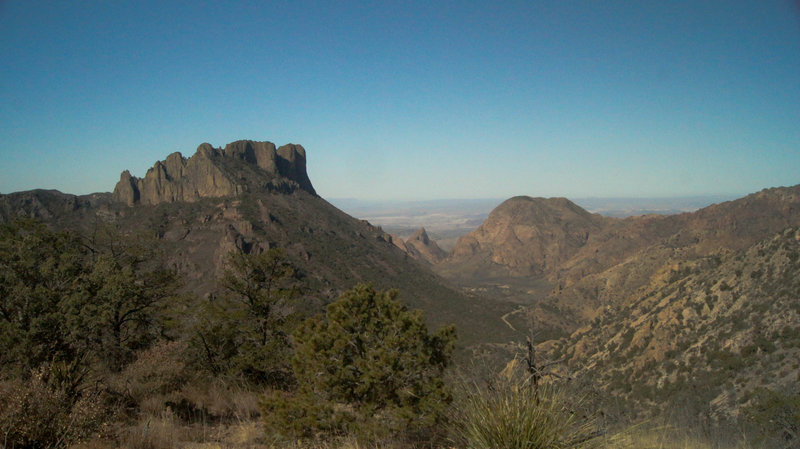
<point x="101" y="349"/>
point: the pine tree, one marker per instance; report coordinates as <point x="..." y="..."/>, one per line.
<point x="245" y="330"/>
<point x="369" y="366"/>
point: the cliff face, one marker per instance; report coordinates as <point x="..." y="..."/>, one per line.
<point x="240" y="167"/>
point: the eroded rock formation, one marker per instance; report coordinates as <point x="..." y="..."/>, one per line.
<point x="241" y="166"/>
<point x="421" y="247"/>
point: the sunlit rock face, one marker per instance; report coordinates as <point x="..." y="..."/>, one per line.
<point x="240" y="167"/>
<point x="526" y="236"/>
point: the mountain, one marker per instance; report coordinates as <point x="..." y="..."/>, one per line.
<point x="564" y="265"/>
<point x="534" y="263"/>
<point x="621" y="260"/>
<point x="696" y="313"/>
<point x="250" y="196"/>
<point x="523" y="237"/>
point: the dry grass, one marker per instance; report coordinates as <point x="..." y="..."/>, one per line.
<point x="498" y="418"/>
<point x="218" y="413"/>
<point x="167" y="432"/>
<point x="671" y="438"/>
<point x="154" y="432"/>
<point x="225" y="400"/>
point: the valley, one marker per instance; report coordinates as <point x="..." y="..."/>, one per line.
<point x="648" y="308"/>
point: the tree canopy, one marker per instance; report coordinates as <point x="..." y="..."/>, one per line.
<point x="67" y="299"/>
<point x="245" y="329"/>
<point x="39" y="275"/>
<point x="368" y="363"/>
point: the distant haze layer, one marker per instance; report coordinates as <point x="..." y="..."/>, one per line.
<point x="446" y="220"/>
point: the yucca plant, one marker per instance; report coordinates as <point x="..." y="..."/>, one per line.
<point x="517" y="415"/>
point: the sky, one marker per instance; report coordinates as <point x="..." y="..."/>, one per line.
<point x="410" y="100"/>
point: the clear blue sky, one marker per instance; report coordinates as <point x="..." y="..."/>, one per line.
<point x="407" y="99"/>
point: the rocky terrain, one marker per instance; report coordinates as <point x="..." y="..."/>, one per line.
<point x="697" y="310"/>
<point x="251" y="196"/>
<point x="709" y="331"/>
<point x="421" y="247"/>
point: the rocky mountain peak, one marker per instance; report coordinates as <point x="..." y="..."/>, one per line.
<point x="524" y="236"/>
<point x="242" y="166"/>
<point x="421" y="247"/>
<point x="420" y="236"/>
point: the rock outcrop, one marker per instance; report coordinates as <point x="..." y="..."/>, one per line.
<point x="242" y="166"/>
<point x="421" y="247"/>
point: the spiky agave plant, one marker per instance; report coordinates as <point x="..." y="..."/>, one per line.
<point x="515" y="415"/>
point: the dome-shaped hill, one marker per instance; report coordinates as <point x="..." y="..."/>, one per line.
<point x="523" y="236"/>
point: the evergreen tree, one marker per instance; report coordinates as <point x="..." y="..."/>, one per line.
<point x="39" y="273"/>
<point x="71" y="301"/>
<point x="245" y="330"/>
<point x="368" y="366"/>
<point x="124" y="296"/>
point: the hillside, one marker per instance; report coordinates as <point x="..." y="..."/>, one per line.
<point x="249" y="197"/>
<point x="563" y="265"/>
<point x="689" y="316"/>
<point x="709" y="333"/>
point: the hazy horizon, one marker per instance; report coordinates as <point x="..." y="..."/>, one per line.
<point x="446" y="220"/>
<point x="366" y="201"/>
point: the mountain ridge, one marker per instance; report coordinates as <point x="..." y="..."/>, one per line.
<point x="268" y="208"/>
<point x="421" y="247"/>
